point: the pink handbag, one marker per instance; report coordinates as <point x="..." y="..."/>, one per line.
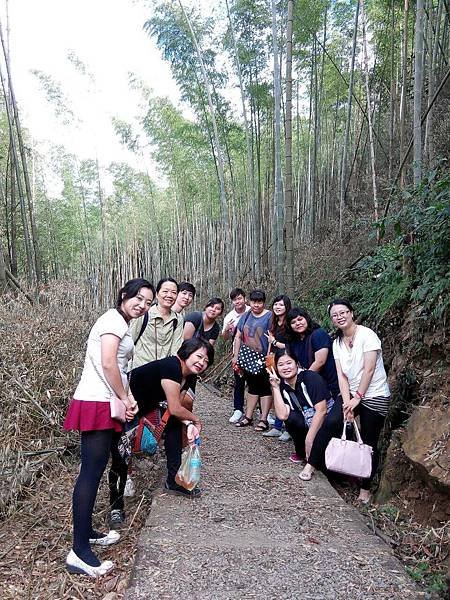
<point x="118" y="409"/>
<point x="348" y="457"/>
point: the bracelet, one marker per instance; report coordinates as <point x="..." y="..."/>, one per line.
<point x="358" y="393"/>
<point x="274" y="344"/>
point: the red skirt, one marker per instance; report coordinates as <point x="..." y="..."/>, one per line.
<point x="90" y="416"/>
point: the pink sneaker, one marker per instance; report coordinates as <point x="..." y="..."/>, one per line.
<point x="295" y="458"/>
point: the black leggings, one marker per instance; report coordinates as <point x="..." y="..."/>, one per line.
<point x="371" y="425"/>
<point x="332" y="426"/>
<point x="95" y="450"/>
<point x="117" y="476"/>
<point x="173" y="444"/>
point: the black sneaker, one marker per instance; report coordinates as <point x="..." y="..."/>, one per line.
<point x="116" y="518"/>
<point x="178" y="490"/>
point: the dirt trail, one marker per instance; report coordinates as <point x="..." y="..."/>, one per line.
<point x="258" y="531"/>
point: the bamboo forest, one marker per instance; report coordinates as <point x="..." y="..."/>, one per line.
<point x="298" y="151"/>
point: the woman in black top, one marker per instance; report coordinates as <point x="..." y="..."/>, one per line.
<point x="203" y="324"/>
<point x="169" y="379"/>
<point x="303" y="401"/>
<point x="311" y="345"/>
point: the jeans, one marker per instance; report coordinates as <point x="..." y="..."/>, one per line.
<point x="117" y="476"/>
<point x="278" y="424"/>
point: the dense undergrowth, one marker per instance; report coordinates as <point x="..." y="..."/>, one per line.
<point x="410" y="265"/>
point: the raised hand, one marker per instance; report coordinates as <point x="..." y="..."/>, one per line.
<point x="273" y="378"/>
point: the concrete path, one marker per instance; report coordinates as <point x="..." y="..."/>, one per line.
<point x="258" y="531"/>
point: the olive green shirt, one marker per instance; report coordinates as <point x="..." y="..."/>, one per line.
<point x="161" y="338"/>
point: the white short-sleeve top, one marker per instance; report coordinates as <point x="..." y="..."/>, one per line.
<point x="93" y="385"/>
<point x="352" y="362"/>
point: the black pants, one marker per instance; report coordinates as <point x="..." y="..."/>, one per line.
<point x="239" y="390"/>
<point x="117" y="476"/>
<point x="173" y="444"/>
<point x="371" y="425"/>
<point x="331" y="427"/>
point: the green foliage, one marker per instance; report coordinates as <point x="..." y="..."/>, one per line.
<point x="412" y="265"/>
<point x="422" y="573"/>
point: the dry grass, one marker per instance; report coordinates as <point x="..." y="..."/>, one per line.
<point x="41" y="357"/>
<point x="36" y="537"/>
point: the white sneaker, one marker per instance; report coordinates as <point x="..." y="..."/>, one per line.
<point x="272" y="433"/>
<point x="129" y="490"/>
<point x="271" y="420"/>
<point x="284" y="437"/>
<point x="236" y="416"/>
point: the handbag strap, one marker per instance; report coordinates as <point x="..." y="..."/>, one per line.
<point x="243" y="325"/>
<point x="102" y="377"/>
<point x="144" y="326"/>
<point x="358" y="435"/>
<point x="294" y="399"/>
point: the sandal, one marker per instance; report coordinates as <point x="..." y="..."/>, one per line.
<point x="262" y="425"/>
<point x="307" y="473"/>
<point x="244" y="422"/>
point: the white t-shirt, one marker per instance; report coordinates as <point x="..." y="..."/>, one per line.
<point x="352" y="362"/>
<point x="93" y="386"/>
<point x="233" y="316"/>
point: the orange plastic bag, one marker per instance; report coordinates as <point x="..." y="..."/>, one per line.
<point x="188" y="474"/>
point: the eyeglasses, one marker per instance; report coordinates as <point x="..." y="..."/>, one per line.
<point x="340" y="314"/>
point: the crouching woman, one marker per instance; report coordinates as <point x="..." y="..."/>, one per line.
<point x="303" y="401"/>
<point x="173" y="380"/>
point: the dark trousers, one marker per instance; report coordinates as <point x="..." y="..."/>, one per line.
<point x="173" y="446"/>
<point x="117" y="476"/>
<point x="239" y="391"/>
<point x="371" y="425"/>
<point x="331" y="427"/>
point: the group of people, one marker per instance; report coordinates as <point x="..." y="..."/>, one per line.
<point x="149" y="350"/>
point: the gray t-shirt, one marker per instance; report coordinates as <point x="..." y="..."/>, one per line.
<point x="253" y="331"/>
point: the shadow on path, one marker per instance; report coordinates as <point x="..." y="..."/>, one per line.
<point x="258" y="531"/>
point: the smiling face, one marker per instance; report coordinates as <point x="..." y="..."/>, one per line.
<point x="184" y="299"/>
<point x="239" y="303"/>
<point x="341" y="316"/>
<point x="197" y="362"/>
<point x="135" y="307"/>
<point x="167" y="294"/>
<point x="214" y="311"/>
<point x="299" y="325"/>
<point x="286" y="367"/>
<point x="257" y="306"/>
<point x="279" y="308"/>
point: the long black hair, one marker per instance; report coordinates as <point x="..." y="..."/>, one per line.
<point x="274" y="321"/>
<point x="339" y="333"/>
<point x="131" y="289"/>
<point x="300" y="312"/>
